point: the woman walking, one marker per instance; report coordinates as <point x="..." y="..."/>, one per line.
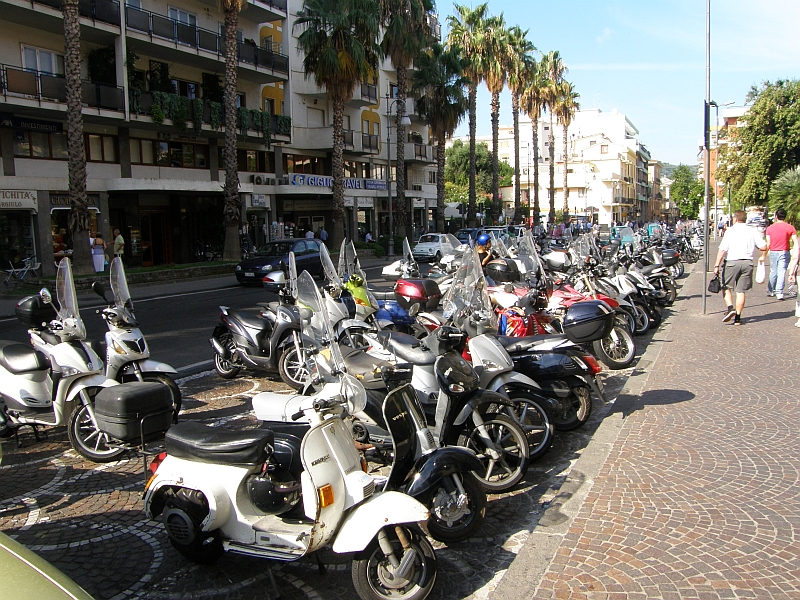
<point x="99" y="253"/>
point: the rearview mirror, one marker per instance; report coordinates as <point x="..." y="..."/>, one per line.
<point x="44" y="294"/>
<point x="99" y="289"/>
<point x="413" y="310"/>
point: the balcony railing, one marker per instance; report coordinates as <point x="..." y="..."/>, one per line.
<point x="369" y="143"/>
<point x="18" y="82"/>
<point x="347" y="139"/>
<point x="420" y="152"/>
<point x="192" y="36"/>
<point x="279" y="4"/>
<point x="106" y="11"/>
<point x="369" y="92"/>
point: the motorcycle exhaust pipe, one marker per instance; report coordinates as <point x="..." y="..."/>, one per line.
<point x="219" y="348"/>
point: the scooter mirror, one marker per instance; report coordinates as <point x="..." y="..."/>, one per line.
<point x="412" y="312"/>
<point x="44" y="294"/>
<point x="99" y="289"/>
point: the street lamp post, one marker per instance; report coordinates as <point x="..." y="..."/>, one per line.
<point x="405" y="122"/>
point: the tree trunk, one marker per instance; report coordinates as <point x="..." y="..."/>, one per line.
<point x="535" y="135"/>
<point x="473" y="125"/>
<point x="551" y="217"/>
<point x="401" y="151"/>
<point x="566" y="183"/>
<point x="233" y="206"/>
<point x="440" y="148"/>
<point x="79" y="211"/>
<point x="517" y="191"/>
<point x="337" y="166"/>
<point x="497" y="205"/>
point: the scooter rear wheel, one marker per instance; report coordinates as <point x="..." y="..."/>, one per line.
<point x="373" y="576"/>
<point x="508" y="440"/>
<point x="87" y="440"/>
<point x="225" y="368"/>
<point x="617" y="350"/>
<point x="574" y="410"/>
<point x="450" y="522"/>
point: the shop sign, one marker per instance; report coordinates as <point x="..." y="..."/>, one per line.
<point x="419" y="203"/>
<point x="7" y="120"/>
<point x="18" y="199"/>
<point x="259" y="200"/>
<point x="306" y="205"/>
<point x="61" y="200"/>
<point x="324" y="181"/>
<point x="375" y="184"/>
<point x="361" y="202"/>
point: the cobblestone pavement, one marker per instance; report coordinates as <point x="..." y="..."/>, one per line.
<point x="700" y="495"/>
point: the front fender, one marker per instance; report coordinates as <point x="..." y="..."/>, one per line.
<point x="364" y="521"/>
<point x="90" y="381"/>
<point x="511" y="377"/>
<point x="431" y="468"/>
<point x="152" y="366"/>
<point x="350" y="324"/>
<point x="480" y="397"/>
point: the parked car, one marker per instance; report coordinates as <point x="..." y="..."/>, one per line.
<point x="269" y="257"/>
<point x="433" y="246"/>
<point x="466" y="234"/>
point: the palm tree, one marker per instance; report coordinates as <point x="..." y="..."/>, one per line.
<point x="233" y="206"/>
<point x="405" y="35"/>
<point x="555" y="71"/>
<point x="565" y="111"/>
<point x="467" y="33"/>
<point x="439" y="83"/>
<point x="339" y="41"/>
<point x="533" y="101"/>
<point x="520" y="60"/>
<point x="79" y="210"/>
<point x="495" y="52"/>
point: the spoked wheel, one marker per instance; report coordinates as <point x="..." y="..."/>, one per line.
<point x="628" y="316"/>
<point x="354" y="338"/>
<point x="293" y="371"/>
<point x="456" y="514"/>
<point x="374" y="576"/>
<point x="534" y="419"/>
<point x="664" y="284"/>
<point x="574" y="410"/>
<point x="504" y="455"/>
<point x="225" y="367"/>
<point x="642" y="319"/>
<point x="87" y="440"/>
<point x="617" y="349"/>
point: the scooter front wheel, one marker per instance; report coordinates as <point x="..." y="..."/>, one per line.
<point x="87" y="440"/>
<point x="374" y="576"/>
<point x="617" y="350"/>
<point x="505" y="457"/>
<point x="454" y="519"/>
<point x="293" y="372"/>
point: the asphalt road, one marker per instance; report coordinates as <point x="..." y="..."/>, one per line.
<point x="177" y="326"/>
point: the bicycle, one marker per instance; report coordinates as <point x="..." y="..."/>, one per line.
<point x="15" y="276"/>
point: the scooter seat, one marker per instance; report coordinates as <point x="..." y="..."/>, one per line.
<point x="650" y="268"/>
<point x="195" y="441"/>
<point x="19" y="358"/>
<point x="407" y="348"/>
<point x="251" y="317"/>
<point x="515" y="345"/>
<point x="384" y="294"/>
<point x="365" y="368"/>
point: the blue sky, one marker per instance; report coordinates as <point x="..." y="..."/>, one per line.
<point x="647" y="58"/>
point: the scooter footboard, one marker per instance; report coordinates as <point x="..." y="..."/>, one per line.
<point x="368" y="517"/>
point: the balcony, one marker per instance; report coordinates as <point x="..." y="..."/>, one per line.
<point x="264" y="11"/>
<point x="100" y="19"/>
<point x="369" y="144"/>
<point x="411" y="111"/>
<point x="418" y="153"/>
<point x="432" y="21"/>
<point x="161" y="37"/>
<point x="365" y="94"/>
<point x="321" y="138"/>
<point x="30" y="88"/>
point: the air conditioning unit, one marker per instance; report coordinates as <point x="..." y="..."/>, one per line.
<point x="259" y="179"/>
<point x="283" y="181"/>
<point x="269" y="181"/>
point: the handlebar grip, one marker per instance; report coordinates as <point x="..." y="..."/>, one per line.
<point x="297" y="415"/>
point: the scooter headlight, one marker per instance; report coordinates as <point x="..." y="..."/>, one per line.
<point x="70" y="371"/>
<point x="354" y="394"/>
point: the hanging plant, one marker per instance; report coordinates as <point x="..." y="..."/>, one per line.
<point x="180" y="112"/>
<point x="255" y="119"/>
<point x="197" y="119"/>
<point x="215" y="108"/>
<point x="243" y="115"/>
<point x="158" y="100"/>
<point x="283" y="124"/>
<point x="266" y="128"/>
<point x="136" y="104"/>
<point x="157" y="114"/>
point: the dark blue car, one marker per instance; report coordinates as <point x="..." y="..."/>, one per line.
<point x="269" y="257"/>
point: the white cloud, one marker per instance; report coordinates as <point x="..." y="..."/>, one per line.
<point x="607" y="34"/>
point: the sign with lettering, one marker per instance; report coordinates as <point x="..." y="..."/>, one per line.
<point x="61" y="200"/>
<point x="324" y="181"/>
<point x="375" y="184"/>
<point x="18" y="199"/>
<point x="260" y="200"/>
<point x="7" y="120"/>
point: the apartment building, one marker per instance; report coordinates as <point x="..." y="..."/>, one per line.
<point x="153" y="129"/>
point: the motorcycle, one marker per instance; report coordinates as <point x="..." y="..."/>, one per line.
<point x="61" y="370"/>
<point x="220" y="490"/>
<point x="127" y="356"/>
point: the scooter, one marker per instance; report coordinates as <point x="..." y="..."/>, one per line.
<point x="241" y="491"/>
<point x="127" y="356"/>
<point x="38" y="384"/>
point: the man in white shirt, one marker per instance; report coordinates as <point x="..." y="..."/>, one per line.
<point x="309" y="234"/>
<point x="737" y="248"/>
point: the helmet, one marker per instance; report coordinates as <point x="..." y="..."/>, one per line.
<point x="356" y="280"/>
<point x="483" y="239"/>
<point x="273" y="493"/>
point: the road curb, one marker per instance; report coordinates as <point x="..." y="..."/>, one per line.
<point x="525" y="573"/>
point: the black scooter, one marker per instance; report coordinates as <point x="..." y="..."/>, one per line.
<point x="259" y="339"/>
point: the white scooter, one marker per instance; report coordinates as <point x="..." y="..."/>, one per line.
<point x="240" y="491"/>
<point x="127" y="355"/>
<point x="404" y="268"/>
<point x="40" y="384"/>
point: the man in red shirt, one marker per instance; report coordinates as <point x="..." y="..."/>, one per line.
<point x="779" y="234"/>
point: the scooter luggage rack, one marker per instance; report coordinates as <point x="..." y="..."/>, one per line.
<point x="142" y="450"/>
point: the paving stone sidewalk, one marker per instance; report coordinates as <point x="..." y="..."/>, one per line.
<point x="694" y="487"/>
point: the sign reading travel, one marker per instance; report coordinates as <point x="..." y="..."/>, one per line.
<point x="324" y="181"/>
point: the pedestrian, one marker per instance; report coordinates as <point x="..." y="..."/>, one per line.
<point x="99" y="253"/>
<point x="119" y="244"/>
<point x="792" y="272"/>
<point x="779" y="236"/>
<point x="323" y="235"/>
<point x="368" y="237"/>
<point x="736" y="248"/>
<point x="310" y="234"/>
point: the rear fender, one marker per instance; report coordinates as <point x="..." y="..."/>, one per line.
<point x="480" y="398"/>
<point x="431" y="468"/>
<point x="367" y="518"/>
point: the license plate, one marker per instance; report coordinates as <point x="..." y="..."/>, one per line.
<point x="249" y="274"/>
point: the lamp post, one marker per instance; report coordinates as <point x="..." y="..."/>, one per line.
<point x="405" y="122"/>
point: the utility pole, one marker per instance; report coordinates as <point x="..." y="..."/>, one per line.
<point x="706" y="152"/>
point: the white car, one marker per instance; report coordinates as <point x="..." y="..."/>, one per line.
<point x="433" y="246"/>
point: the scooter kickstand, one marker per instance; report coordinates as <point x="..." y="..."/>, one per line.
<point x="274" y="586"/>
<point x="323" y="570"/>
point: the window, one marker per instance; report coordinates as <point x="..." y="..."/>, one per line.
<point x="296" y="163"/>
<point x="100" y="148"/>
<point x="316" y="117"/>
<point x="312" y="246"/>
<point x="181" y="16"/>
<point x="351" y="169"/>
<point x="604" y="149"/>
<point x="299" y="248"/>
<point x="187" y="89"/>
<point x="42" y="61"/>
<point x="269" y="105"/>
<point x="36" y="144"/>
<point x="547" y="128"/>
<point x="134" y="4"/>
<point x="432" y="177"/>
<point x="170" y="154"/>
<point x="592" y="142"/>
<point x="240" y="100"/>
<point x="379" y="171"/>
<point x="393" y="90"/>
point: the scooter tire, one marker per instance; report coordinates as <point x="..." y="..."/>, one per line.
<point x="656" y="315"/>
<point x="370" y="568"/>
<point x="173" y="387"/>
<point x="87" y="440"/>
<point x="447" y="524"/>
<point x="617" y="354"/>
<point x="499" y="475"/>
<point x="290" y="369"/>
<point x="642" y="319"/>
<point x="534" y="418"/>
<point x="225" y="368"/>
<point x="578" y="413"/>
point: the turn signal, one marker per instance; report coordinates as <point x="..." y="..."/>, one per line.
<point x="592" y="363"/>
<point x="325" y="495"/>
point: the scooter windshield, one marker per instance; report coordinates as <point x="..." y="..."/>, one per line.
<point x="119" y="284"/>
<point x="292" y="284"/>
<point x="468" y="294"/>
<point x="317" y="326"/>
<point x="529" y="256"/>
<point x="499" y="246"/>
<point x="349" y="263"/>
<point x="327" y="266"/>
<point x="68" y="312"/>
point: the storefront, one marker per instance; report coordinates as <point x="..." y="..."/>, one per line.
<point x="59" y="222"/>
<point x="258" y="211"/>
<point x="363" y="220"/>
<point x="17" y="226"/>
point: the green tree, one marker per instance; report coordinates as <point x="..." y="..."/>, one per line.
<point x="533" y="101"/>
<point x="458" y="163"/>
<point x="785" y="193"/>
<point x="555" y="70"/>
<point x="405" y="35"/>
<point x="565" y="111"/>
<point x="439" y="83"/>
<point x="339" y="41"/>
<point x="496" y="53"/>
<point x="686" y="191"/>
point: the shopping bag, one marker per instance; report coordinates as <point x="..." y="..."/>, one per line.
<point x="761" y="272"/>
